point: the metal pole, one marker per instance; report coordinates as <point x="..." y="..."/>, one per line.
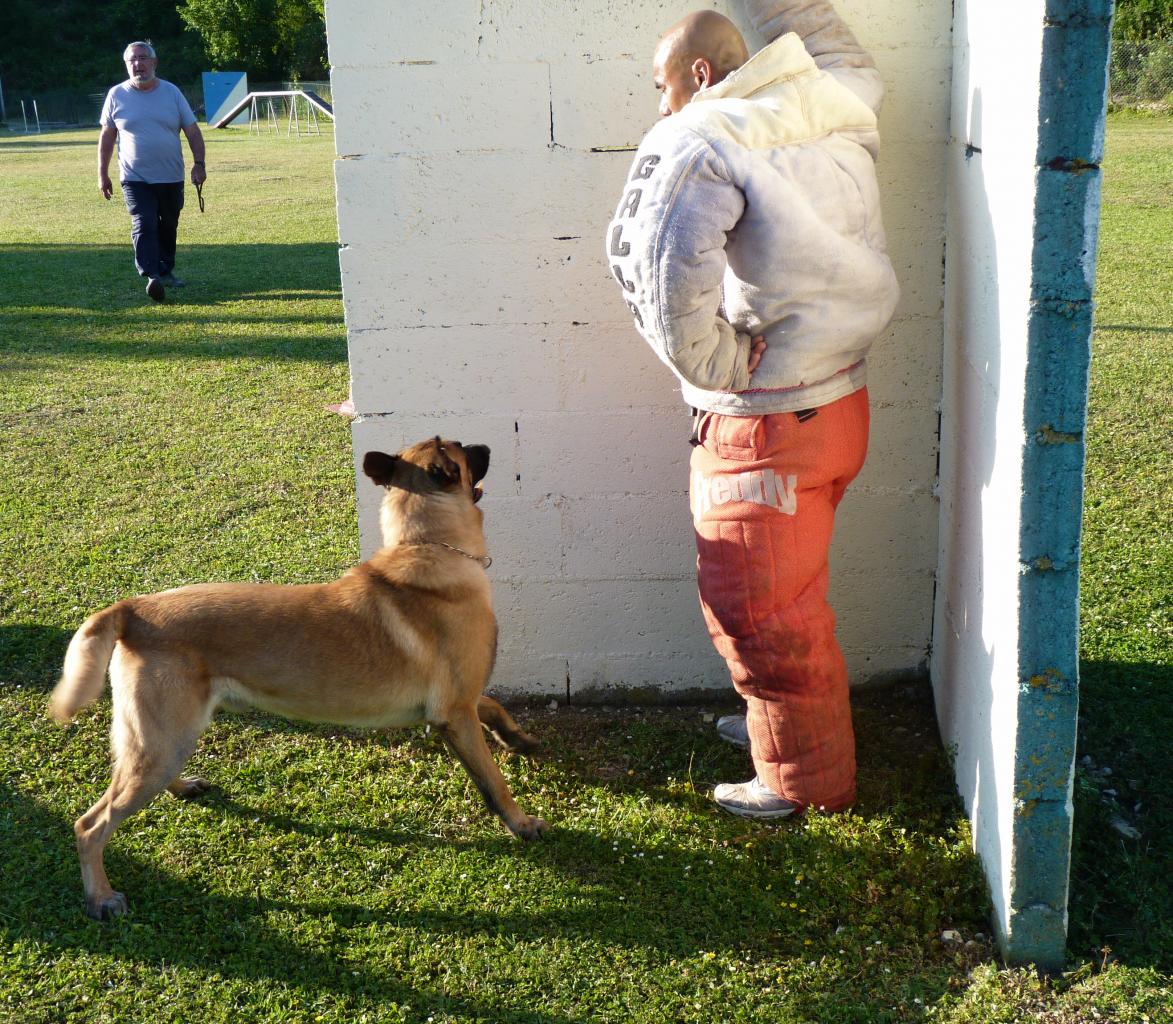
<point x="37" y="115"/>
<point x="3" y="111"/>
<point x="24" y="117"/>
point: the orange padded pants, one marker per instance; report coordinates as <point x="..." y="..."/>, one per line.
<point x="764" y="491"/>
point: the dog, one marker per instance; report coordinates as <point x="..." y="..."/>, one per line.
<point x="407" y="637"/>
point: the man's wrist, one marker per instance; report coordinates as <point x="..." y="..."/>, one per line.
<point x="198" y="163"/>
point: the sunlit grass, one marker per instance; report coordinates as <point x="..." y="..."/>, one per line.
<point x="344" y="877"/>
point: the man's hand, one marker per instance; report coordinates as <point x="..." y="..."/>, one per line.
<point x="198" y="174"/>
<point x="106" y="139"/>
<point x="757" y="348"/>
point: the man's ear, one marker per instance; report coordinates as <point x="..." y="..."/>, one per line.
<point x="702" y="72"/>
<point x="380" y="467"/>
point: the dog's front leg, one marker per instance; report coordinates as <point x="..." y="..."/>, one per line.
<point x="462" y="732"/>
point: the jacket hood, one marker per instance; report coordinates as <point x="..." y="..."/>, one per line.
<point x="779" y="95"/>
<point x="784" y="58"/>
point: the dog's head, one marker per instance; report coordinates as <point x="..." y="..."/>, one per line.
<point x="431" y="467"/>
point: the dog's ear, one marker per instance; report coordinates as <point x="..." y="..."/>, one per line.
<point x="478" y="461"/>
<point x="380" y="467"/>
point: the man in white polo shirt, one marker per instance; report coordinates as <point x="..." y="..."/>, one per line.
<point x="145" y="115"/>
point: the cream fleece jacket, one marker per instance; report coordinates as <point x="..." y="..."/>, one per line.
<point x="755" y="210"/>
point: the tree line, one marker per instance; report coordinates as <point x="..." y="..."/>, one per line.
<point x="77" y="44"/>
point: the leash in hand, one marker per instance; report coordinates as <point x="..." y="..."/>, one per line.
<point x="200" y="194"/>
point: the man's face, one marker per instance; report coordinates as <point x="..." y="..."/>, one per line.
<point x="673" y="79"/>
<point x="141" y="66"/>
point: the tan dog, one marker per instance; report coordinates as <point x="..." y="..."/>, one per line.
<point x="407" y="637"/>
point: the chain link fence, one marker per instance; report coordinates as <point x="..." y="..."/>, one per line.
<point x="65" y="108"/>
<point x="1141" y="74"/>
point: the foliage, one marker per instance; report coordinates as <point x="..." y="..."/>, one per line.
<point x="1143" y="19"/>
<point x="270" y="39"/>
<point x="78" y="44"/>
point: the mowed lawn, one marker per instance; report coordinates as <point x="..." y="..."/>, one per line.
<point x="346" y="877"/>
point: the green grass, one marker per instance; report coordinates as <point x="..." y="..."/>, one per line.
<point x="343" y="877"/>
<point x="1121" y="893"/>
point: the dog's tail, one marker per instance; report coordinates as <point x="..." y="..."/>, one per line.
<point x="86" y="662"/>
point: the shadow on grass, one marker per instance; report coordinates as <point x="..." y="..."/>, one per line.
<point x="31" y="655"/>
<point x="1121" y="888"/>
<point x="587" y="891"/>
<point x="61" y="294"/>
<point x="902" y="767"/>
<point x="175" y="922"/>
<point x="1134" y="328"/>
<point x="46" y="141"/>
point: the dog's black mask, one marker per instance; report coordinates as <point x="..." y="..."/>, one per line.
<point x="441" y="471"/>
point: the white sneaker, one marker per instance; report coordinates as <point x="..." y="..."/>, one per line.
<point x="732" y="729"/>
<point x="753" y="799"/>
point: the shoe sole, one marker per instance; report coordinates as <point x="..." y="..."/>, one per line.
<point x="745" y="812"/>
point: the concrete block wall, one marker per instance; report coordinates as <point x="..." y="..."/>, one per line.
<point x="482" y="148"/>
<point x="1028" y="105"/>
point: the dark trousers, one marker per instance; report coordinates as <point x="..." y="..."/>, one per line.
<point x="154" y="224"/>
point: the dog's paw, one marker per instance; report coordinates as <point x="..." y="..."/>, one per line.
<point x="529" y="828"/>
<point x="521" y="743"/>
<point x="108" y="907"/>
<point x="189" y="787"/>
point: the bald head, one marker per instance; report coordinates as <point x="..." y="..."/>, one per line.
<point x="695" y="53"/>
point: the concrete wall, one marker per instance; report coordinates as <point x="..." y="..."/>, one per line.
<point x="482" y="148"/>
<point x="1028" y="101"/>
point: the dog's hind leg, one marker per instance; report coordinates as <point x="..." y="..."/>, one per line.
<point x="462" y="732"/>
<point x="158" y="717"/>
<point x="504" y="729"/>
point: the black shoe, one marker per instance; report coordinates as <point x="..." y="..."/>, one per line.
<point x="171" y="281"/>
<point x="155" y="289"/>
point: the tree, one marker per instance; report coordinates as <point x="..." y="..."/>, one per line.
<point x="1143" y="19"/>
<point x="270" y="39"/>
<point x="77" y="44"/>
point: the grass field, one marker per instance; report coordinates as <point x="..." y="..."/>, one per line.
<point x="345" y="877"/>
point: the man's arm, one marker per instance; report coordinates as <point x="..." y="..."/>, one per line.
<point x="816" y="22"/>
<point x="105" y="150"/>
<point x="826" y="37"/>
<point x="666" y="248"/>
<point x="195" y="141"/>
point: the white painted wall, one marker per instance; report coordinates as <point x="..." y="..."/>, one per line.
<point x="991" y="231"/>
<point x="482" y="148"/>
